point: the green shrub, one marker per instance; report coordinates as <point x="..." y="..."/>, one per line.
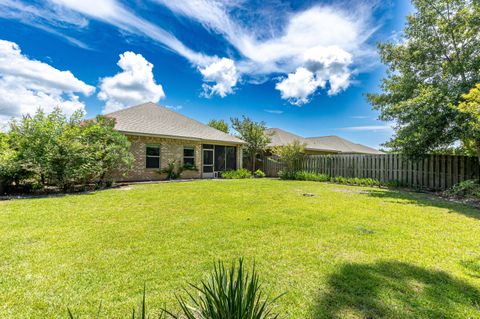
<point x="173" y="170"/>
<point x="57" y="150"/>
<point x="355" y="181"/>
<point x="317" y="177"/>
<point x="286" y="174"/>
<point x="309" y="176"/>
<point x="469" y="188"/>
<point x="303" y="176"/>
<point x="237" y="174"/>
<point x="259" y="174"/>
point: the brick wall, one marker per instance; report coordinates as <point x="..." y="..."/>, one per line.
<point x="170" y="150"/>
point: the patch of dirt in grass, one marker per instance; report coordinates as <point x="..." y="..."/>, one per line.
<point x="349" y="190"/>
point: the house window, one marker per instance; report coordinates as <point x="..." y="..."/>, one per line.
<point x="189" y="156"/>
<point x="153" y="156"/>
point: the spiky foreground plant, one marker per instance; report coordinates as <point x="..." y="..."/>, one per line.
<point x="227" y="294"/>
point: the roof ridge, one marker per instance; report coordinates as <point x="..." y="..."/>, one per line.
<point x="149" y="103"/>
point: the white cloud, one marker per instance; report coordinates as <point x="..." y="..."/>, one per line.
<point x="26" y="85"/>
<point x="223" y="73"/>
<point x="114" y="13"/>
<point x="331" y="36"/>
<point x="134" y="85"/>
<point x="273" y="111"/>
<point x="298" y="86"/>
<point x="322" y="65"/>
<point x="360" y="117"/>
<point x="51" y="18"/>
<point x="373" y="128"/>
<point x="174" y="107"/>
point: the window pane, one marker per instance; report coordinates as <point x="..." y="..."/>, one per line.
<point x="207" y="169"/>
<point x="189" y="160"/>
<point x="208" y="146"/>
<point x="153" y="150"/>
<point x="189" y="152"/>
<point x="219" y="158"/>
<point x="153" y="162"/>
<point x="231" y="158"/>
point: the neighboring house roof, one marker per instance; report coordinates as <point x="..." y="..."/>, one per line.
<point x="280" y="137"/>
<point x="332" y="144"/>
<point x="152" y="119"/>
<point x="342" y="145"/>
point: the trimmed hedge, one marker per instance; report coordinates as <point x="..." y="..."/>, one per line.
<point x="238" y="174"/>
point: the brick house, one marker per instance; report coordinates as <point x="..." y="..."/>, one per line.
<point x="159" y="136"/>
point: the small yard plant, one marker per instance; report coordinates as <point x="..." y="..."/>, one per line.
<point x="237" y="174"/>
<point x="468" y="188"/>
<point x="228" y="293"/>
<point x="259" y="174"/>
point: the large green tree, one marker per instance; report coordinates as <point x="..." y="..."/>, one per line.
<point x="428" y="70"/>
<point x="253" y="133"/>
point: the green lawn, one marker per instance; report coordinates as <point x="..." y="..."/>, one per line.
<point x="347" y="252"/>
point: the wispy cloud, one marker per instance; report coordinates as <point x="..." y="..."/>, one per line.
<point x="316" y="48"/>
<point x="273" y="111"/>
<point x="368" y="128"/>
<point x="359" y="117"/>
<point x="174" y="107"/>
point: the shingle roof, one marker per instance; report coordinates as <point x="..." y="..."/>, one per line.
<point x="334" y="144"/>
<point x="152" y="119"/>
<point x="342" y="145"/>
<point x="280" y="137"/>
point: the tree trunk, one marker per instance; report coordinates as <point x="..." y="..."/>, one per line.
<point x="477" y="148"/>
<point x="254" y="157"/>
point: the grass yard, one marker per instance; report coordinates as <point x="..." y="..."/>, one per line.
<point x="347" y="252"/>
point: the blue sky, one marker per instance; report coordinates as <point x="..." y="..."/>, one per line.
<point x="303" y="66"/>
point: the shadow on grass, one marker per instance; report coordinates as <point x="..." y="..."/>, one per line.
<point x="396" y="290"/>
<point x="423" y="199"/>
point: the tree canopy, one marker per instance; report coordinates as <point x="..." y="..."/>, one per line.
<point x="470" y="109"/>
<point x="220" y="125"/>
<point x="428" y="70"/>
<point x="290" y="154"/>
<point x="253" y="133"/>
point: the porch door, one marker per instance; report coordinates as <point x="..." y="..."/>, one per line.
<point x="208" y="161"/>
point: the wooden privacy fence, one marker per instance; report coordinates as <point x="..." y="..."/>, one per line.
<point x="435" y="172"/>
